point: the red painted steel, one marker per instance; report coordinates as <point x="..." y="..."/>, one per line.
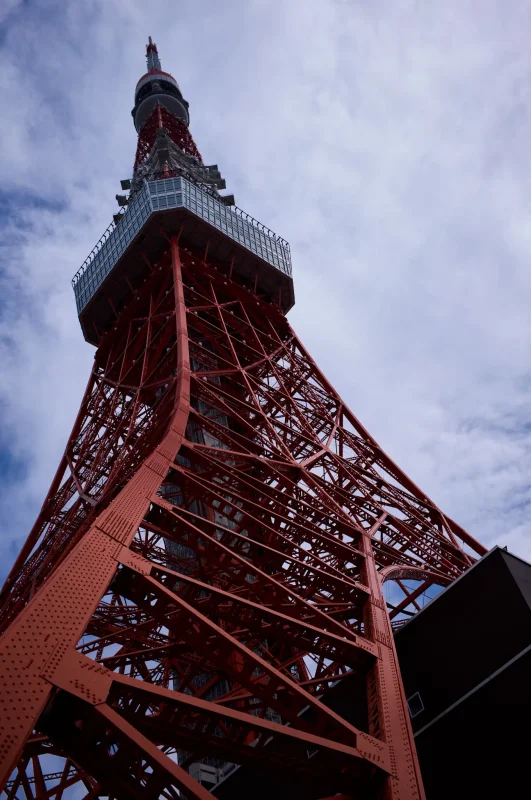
<point x="209" y="562"/>
<point x="160" y="118"/>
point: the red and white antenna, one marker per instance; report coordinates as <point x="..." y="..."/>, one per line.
<point x="152" y="55"/>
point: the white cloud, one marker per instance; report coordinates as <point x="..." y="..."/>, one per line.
<point x="387" y="141"/>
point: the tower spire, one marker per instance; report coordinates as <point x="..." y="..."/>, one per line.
<point x="165" y="144"/>
<point x="152" y="55"/>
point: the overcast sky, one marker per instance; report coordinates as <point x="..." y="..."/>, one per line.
<point x="387" y="140"/>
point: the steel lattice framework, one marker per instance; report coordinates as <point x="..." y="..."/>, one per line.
<point x="159" y="119"/>
<point x="209" y="562"/>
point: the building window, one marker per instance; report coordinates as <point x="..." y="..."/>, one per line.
<point x="415" y="705"/>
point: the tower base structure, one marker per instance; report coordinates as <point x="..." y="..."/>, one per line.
<point x="465" y="661"/>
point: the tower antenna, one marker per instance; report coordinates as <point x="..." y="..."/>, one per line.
<point x="152" y="56"/>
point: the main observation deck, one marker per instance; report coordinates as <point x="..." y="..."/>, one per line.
<point x="162" y="208"/>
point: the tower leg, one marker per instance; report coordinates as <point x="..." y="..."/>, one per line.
<point x="388" y="714"/>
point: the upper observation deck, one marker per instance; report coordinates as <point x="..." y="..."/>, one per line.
<point x="165" y="207"/>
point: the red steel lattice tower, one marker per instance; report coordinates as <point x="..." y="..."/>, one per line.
<point x="210" y="557"/>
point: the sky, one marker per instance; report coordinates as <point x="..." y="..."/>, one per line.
<point x="388" y="141"/>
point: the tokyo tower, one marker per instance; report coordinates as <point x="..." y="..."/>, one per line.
<point x="210" y="558"/>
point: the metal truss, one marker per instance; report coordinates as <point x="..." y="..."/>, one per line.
<point x="161" y="118"/>
<point x="209" y="563"/>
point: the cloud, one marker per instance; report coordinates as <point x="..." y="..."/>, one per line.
<point x="388" y="142"/>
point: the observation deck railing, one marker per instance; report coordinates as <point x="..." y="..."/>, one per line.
<point x="163" y="195"/>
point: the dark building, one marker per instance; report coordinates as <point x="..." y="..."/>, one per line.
<point x="466" y="667"/>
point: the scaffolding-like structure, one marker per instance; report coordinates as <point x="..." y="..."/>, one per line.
<point x="209" y="561"/>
